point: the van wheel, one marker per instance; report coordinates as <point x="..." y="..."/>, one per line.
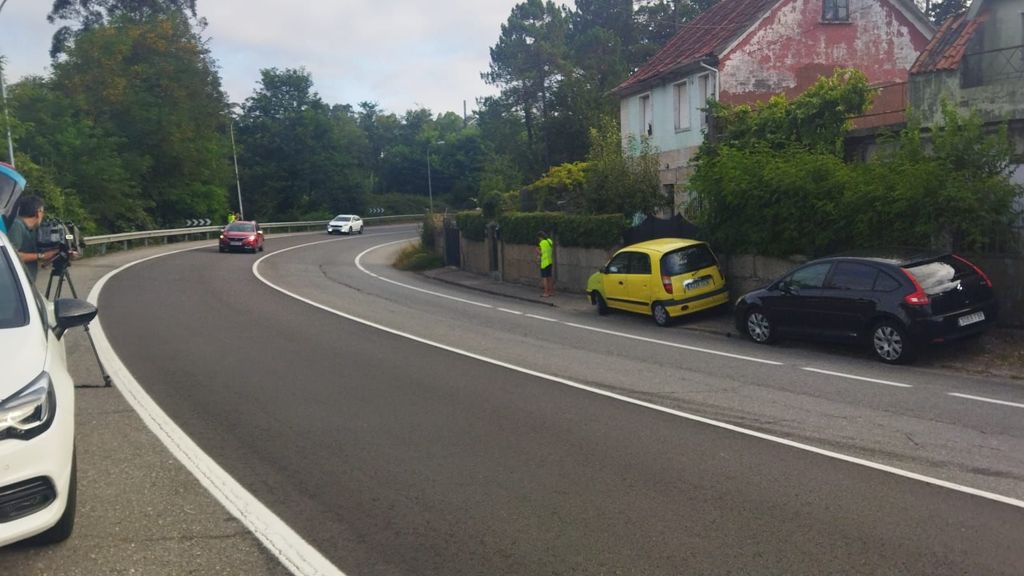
<point x="61" y="531"/>
<point x="890" y="343"/>
<point x="602" y="306"/>
<point x="660" y="314"/>
<point x="759" y="327"/>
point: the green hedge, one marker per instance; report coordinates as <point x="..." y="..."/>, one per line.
<point x="584" y="231"/>
<point x="473" y="225"/>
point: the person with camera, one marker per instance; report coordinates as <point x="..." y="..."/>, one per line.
<point x="23" y="237"/>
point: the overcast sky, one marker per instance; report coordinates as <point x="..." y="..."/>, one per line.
<point x="401" y="54"/>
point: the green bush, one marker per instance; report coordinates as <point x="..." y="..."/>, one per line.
<point x="473" y="225"/>
<point x="585" y="231"/>
<point x="427" y="232"/>
<point x="417" y="258"/>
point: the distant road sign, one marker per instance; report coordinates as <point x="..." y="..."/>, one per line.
<point x="190" y="222"/>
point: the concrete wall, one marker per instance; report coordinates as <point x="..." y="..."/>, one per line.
<point x="474" y="257"/>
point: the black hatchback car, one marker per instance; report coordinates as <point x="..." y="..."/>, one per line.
<point x="896" y="302"/>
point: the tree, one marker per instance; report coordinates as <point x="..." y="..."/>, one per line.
<point x="526" y="64"/>
<point x="91" y="14"/>
<point x="153" y="88"/>
<point x="300" y="156"/>
<point x="618" y="180"/>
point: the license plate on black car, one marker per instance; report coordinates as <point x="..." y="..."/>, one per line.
<point x="971" y="318"/>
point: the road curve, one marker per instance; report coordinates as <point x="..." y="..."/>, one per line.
<point x="394" y="457"/>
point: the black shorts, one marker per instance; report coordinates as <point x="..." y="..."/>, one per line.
<point x="546" y="272"/>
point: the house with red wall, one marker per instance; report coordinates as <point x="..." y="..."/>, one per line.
<point x="744" y="51"/>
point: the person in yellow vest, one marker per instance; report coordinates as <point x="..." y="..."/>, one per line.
<point x="231" y="217"/>
<point x="545" y="252"/>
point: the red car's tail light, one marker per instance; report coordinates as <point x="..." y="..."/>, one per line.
<point x="666" y="281"/>
<point x="984" y="277"/>
<point x="918" y="297"/>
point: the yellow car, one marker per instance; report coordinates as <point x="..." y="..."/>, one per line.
<point x="665" y="278"/>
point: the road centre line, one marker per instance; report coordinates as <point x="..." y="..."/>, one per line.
<point x="640" y="403"/>
<point x="516" y="312"/>
<point x="989" y="400"/>
<point x="359" y="264"/>
<point x="674" y="345"/>
<point x="851" y="376"/>
<point x="294" y="553"/>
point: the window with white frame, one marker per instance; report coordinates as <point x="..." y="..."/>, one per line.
<point x="646" y="116"/>
<point x="835" y="10"/>
<point x="706" y="91"/>
<point x="681" y="98"/>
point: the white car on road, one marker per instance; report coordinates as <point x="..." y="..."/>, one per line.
<point x="345" y="224"/>
<point x="37" y="408"/>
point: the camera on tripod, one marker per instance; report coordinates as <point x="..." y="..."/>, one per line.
<point x="62" y="236"/>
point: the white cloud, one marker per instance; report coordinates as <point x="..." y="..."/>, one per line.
<point x="399" y="53"/>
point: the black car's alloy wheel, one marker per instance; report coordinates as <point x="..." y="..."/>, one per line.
<point x="890" y="343"/>
<point x="759" y="327"/>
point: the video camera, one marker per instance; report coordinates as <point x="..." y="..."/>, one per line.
<point x="63" y="236"/>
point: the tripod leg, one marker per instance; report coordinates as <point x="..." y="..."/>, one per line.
<point x="49" y="283"/>
<point x="103" y="371"/>
<point x="66" y="274"/>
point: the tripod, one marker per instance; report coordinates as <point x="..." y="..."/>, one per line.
<point x="61" y="272"/>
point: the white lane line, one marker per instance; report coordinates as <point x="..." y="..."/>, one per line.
<point x="851" y="376"/>
<point x="674" y="345"/>
<point x="516" y="312"/>
<point x="990" y="400"/>
<point x="298" y="556"/>
<point x="359" y="264"/>
<point x="685" y="415"/>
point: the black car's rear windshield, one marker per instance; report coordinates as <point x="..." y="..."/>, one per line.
<point x="689" y="259"/>
<point x="241" y="227"/>
<point x="940" y="275"/>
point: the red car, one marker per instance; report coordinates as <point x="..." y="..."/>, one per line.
<point x="241" y="235"/>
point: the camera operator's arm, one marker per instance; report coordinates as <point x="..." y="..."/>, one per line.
<point x="40" y="257"/>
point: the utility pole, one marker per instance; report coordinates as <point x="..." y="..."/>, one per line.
<point x="7" y="118"/>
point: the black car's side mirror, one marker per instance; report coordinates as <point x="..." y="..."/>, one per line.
<point x="71" y="313"/>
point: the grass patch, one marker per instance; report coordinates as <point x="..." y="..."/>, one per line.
<point x="415" y="258"/>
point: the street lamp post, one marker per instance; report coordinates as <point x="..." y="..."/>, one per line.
<point x="234" y="155"/>
<point x="7" y="119"/>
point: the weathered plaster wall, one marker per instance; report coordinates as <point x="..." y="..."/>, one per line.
<point x="791" y="48"/>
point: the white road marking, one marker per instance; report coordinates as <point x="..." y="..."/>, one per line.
<point x="516" y="312"/>
<point x="395" y="282"/>
<point x="989" y="400"/>
<point x="685" y="415"/>
<point x="544" y="318"/>
<point x="285" y="544"/>
<point x="851" y="376"/>
<point x="674" y="345"/>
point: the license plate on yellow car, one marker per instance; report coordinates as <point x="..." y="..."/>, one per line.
<point x="697" y="283"/>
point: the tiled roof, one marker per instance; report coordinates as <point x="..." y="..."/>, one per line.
<point x="710" y="32"/>
<point x="948" y="45"/>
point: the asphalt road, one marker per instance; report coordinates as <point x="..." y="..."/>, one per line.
<point x="483" y="450"/>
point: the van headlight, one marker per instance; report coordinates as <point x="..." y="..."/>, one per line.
<point x="29" y="411"/>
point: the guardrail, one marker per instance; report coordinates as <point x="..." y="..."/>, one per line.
<point x="101" y="242"/>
